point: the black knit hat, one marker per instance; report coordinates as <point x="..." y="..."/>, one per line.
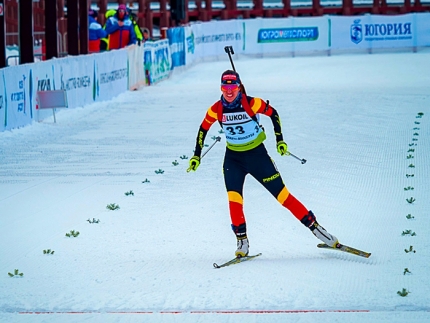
<point x="230" y="77"/>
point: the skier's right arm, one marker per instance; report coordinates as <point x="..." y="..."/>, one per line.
<point x="195" y="160"/>
<point x="210" y="118"/>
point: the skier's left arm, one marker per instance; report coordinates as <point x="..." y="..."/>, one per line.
<point x="265" y="108"/>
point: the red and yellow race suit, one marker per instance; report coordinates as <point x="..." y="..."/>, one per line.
<point x="246" y="154"/>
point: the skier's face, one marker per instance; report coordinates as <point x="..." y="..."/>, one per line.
<point x="230" y="91"/>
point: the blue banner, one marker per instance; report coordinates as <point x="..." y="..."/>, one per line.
<point x="157" y="59"/>
<point x="177" y="45"/>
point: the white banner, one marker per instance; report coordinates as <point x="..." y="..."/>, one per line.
<point x="283" y="36"/>
<point x="210" y="38"/>
<point x="17" y="84"/>
<point x="43" y="80"/>
<point x="136" y="73"/>
<point x="110" y="74"/>
<point x="373" y="31"/>
<point x="423" y="29"/>
<point x="190" y="46"/>
<point x="75" y="74"/>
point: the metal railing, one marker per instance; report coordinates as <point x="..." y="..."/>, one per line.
<point x="39" y="39"/>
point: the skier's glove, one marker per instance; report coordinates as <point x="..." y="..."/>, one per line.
<point x="282" y="148"/>
<point x="194" y="163"/>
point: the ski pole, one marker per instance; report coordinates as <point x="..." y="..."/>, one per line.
<point x="207" y="150"/>
<point x="302" y="160"/>
<point x="216" y="140"/>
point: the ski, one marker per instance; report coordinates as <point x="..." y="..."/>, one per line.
<point x="347" y="249"/>
<point x="236" y="261"/>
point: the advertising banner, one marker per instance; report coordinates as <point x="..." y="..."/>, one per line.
<point x="158" y="60"/>
<point x="136" y="72"/>
<point x="147" y="59"/>
<point x="110" y="74"/>
<point x="176" y="38"/>
<point x="43" y="80"/>
<point x="190" y="45"/>
<point x="2" y="101"/>
<point x="423" y="29"/>
<point x="75" y="75"/>
<point x="373" y="31"/>
<point x="210" y="38"/>
<point x="19" y="95"/>
<point x="286" y="35"/>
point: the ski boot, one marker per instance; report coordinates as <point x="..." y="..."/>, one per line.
<point x="318" y="231"/>
<point x="242" y="240"/>
<point x="242" y="248"/>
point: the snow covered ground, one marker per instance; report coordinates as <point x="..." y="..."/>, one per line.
<point x="354" y="118"/>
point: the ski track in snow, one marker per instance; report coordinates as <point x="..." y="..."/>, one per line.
<point x="354" y="123"/>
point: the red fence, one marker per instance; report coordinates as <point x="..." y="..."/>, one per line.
<point x="205" y="10"/>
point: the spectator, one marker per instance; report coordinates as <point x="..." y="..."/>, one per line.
<point x="96" y="32"/>
<point x="104" y="42"/>
<point x="145" y="33"/>
<point x="136" y="27"/>
<point x="120" y="29"/>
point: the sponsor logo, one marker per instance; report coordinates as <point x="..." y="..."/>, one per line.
<point x="234" y="117"/>
<point x="96" y="84"/>
<point x="44" y="84"/>
<point x="190" y="43"/>
<point x="282" y="35"/>
<point x="113" y="76"/>
<point x="201" y="134"/>
<point x="229" y="77"/>
<point x="177" y="47"/>
<point x="271" y="178"/>
<point x="75" y="83"/>
<point x="240" y="138"/>
<point x="356" y="32"/>
<point x="218" y="38"/>
<point x="380" y="32"/>
<point x="19" y="97"/>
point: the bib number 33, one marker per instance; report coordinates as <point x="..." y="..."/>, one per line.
<point x="236" y="130"/>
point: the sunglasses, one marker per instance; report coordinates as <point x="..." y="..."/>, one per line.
<point x="229" y="87"/>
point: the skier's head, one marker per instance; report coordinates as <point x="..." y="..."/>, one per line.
<point x="230" y="85"/>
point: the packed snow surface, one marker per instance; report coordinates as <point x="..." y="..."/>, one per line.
<point x="362" y="122"/>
